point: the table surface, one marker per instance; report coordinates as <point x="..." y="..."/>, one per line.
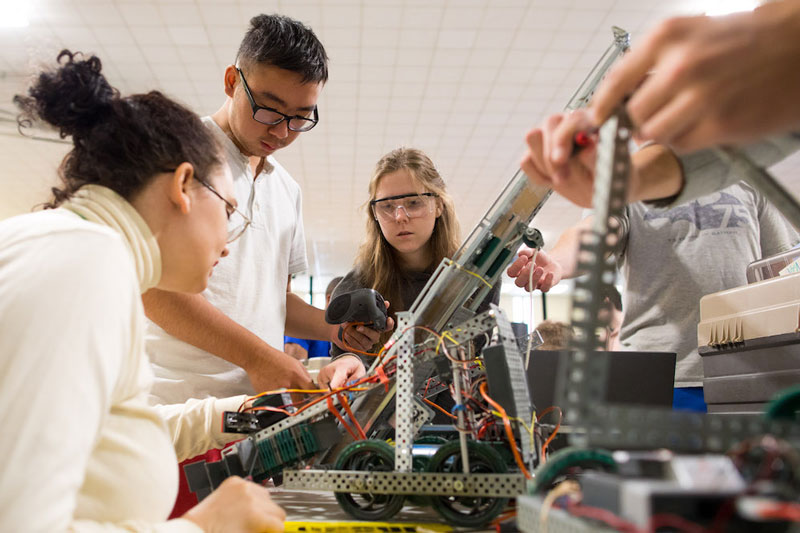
<point x="322" y="506"/>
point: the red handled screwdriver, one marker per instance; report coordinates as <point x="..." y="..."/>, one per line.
<point x="583" y="139"/>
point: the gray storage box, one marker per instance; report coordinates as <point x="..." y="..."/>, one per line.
<point x="743" y="378"/>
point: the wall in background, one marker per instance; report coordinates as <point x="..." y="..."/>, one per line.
<point x="514" y="301"/>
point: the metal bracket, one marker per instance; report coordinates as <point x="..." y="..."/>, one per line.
<point x="473" y="327"/>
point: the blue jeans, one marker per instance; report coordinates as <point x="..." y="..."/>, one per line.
<point x="689" y="399"/>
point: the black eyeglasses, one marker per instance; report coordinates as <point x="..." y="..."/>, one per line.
<point x="237" y="221"/>
<point x="273" y="117"/>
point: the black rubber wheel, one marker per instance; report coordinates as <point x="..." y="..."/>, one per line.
<point x="560" y="463"/>
<point x="468" y="511"/>
<point x="368" y="456"/>
<point x="419" y="463"/>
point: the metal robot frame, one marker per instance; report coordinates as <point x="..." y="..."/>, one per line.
<point x="446" y="306"/>
<point x="447" y="303"/>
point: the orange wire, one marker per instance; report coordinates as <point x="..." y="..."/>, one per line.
<point x="365" y="379"/>
<point x="383" y="349"/>
<point x="346" y="404"/>
<point x="362" y="381"/>
<point x="502" y="517"/>
<point x="391" y="342"/>
<point x="351" y="387"/>
<point x="339" y="417"/>
<point x="268" y="408"/>
<point x="509" y="431"/>
<point x="355" y="324"/>
<point x="469" y="397"/>
<point x="555" y="431"/>
<point x="439" y="407"/>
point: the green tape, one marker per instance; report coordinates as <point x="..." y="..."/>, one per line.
<point x="487" y="252"/>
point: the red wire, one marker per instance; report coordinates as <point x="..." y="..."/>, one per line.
<point x="365" y="379"/>
<point x="509" y="431"/>
<point x="505" y="515"/>
<point x="336" y="413"/>
<point x="674" y="521"/>
<point x="555" y="431"/>
<point x="346" y="404"/>
<point x="439" y="407"/>
<point x="656" y="521"/>
<point x="602" y="515"/>
<point x="724" y="514"/>
<point x="484" y="427"/>
<point x="784" y="510"/>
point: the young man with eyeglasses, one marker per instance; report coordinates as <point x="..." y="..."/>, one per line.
<point x="229" y="340"/>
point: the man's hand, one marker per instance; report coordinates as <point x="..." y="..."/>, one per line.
<point x="358" y="337"/>
<point x="546" y="271"/>
<point x="550" y="160"/>
<point x="296" y="351"/>
<point x="277" y="370"/>
<point x="339" y="372"/>
<point x="238" y="506"/>
<point x="712" y="80"/>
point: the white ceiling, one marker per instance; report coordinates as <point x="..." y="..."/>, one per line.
<point x="461" y="79"/>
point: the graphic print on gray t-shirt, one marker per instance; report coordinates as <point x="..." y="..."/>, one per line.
<point x="672" y="258"/>
<point x="726" y="212"/>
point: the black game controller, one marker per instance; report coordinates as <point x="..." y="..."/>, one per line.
<point x="362" y="305"/>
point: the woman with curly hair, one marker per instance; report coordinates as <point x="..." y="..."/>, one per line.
<point x="145" y="202"/>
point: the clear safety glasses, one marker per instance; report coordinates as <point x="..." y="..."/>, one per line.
<point x="414" y="205"/>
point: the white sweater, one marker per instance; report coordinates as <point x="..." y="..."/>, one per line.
<point x="82" y="449"/>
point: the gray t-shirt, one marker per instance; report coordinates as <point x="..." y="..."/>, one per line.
<point x="705" y="172"/>
<point x="672" y="258"/>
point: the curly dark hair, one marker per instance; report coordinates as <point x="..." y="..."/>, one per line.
<point x="285" y="43"/>
<point x="119" y="143"/>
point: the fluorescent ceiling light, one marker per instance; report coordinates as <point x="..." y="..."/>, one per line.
<point x="14" y="13"/>
<point x="726" y="7"/>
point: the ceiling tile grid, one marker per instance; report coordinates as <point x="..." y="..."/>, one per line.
<point x="461" y="79"/>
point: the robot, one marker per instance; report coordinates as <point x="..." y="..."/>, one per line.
<point x="339" y="440"/>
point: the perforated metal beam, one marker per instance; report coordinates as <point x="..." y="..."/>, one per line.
<point x="475" y="326"/>
<point x="519" y="383"/>
<point x="488" y="485"/>
<point x="404" y="409"/>
<point x="582" y="381"/>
